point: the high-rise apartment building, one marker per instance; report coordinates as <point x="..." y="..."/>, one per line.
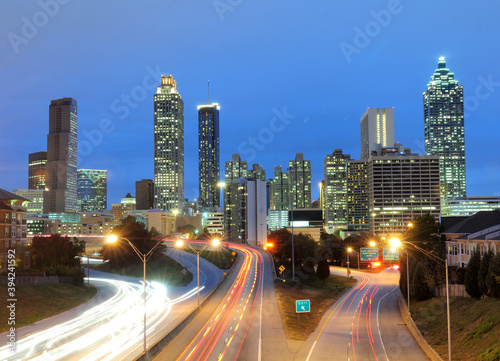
<point x="144" y="194"/>
<point x="209" y="156"/>
<point x="60" y="183"/>
<point x="235" y="169"/>
<point x="377" y="127"/>
<point x="358" y="218"/>
<point x="92" y="189"/>
<point x="444" y="129"/>
<point x="335" y="191"/>
<point x="281" y="190"/>
<point x="169" y="146"/>
<point x="299" y="171"/>
<point x="257" y="172"/>
<point x="36" y="170"/>
<point x="402" y="187"/>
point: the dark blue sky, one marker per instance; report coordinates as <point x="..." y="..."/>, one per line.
<point x="321" y="63"/>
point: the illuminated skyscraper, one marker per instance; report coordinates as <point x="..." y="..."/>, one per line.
<point x="92" y="189"/>
<point x="169" y="146"/>
<point x="61" y="192"/>
<point x="281" y="190"/>
<point x="335" y="190"/>
<point x="299" y="172"/>
<point x="209" y="156"/>
<point x="36" y="170"/>
<point x="377" y="127"/>
<point x="444" y="129"/>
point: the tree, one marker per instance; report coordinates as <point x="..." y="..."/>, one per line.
<point x="471" y="276"/>
<point x="204" y="235"/>
<point x="305" y="246"/>
<point x="483" y="271"/>
<point x="323" y="270"/>
<point x="493" y="277"/>
<point x="419" y="288"/>
<point x="187" y="229"/>
<point x="120" y="254"/>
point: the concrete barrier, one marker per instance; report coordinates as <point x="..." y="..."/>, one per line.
<point x="403" y="308"/>
<point x="156" y="348"/>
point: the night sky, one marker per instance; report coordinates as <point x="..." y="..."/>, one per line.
<point x="294" y="75"/>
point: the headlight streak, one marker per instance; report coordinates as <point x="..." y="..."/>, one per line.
<point x="107" y="329"/>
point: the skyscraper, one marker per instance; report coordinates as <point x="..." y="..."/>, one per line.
<point x="377" y="127"/>
<point x="300" y="181"/>
<point x="60" y="183"/>
<point x="444" y="129"/>
<point x="209" y="156"/>
<point x="358" y="218"/>
<point x="235" y="169"/>
<point x="92" y="189"/>
<point x="36" y="170"/>
<point x="281" y="190"/>
<point x="144" y="194"/>
<point x="335" y="190"/>
<point x="257" y="172"/>
<point x="169" y="146"/>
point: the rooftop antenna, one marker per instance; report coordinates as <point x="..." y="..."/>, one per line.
<point x="208" y="92"/>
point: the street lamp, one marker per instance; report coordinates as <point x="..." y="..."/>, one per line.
<point x="144" y="258"/>
<point x="215" y="242"/>
<point x="349" y="250"/>
<point x="394" y="242"/>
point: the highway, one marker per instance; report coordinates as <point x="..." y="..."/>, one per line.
<point x="113" y="328"/>
<point x="365" y="324"/>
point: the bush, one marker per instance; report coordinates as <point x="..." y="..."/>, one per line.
<point x="471" y="276"/>
<point x="419" y="288"/>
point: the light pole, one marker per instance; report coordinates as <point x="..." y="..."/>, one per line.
<point x="144" y="258"/>
<point x="394" y="242"/>
<point x="293" y="246"/>
<point x="221" y="185"/>
<point x="214" y="242"/>
<point x="349" y="250"/>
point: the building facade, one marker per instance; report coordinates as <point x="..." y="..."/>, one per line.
<point x="335" y="191"/>
<point x="144" y="194"/>
<point x="358" y="218"/>
<point x="280" y="190"/>
<point x="168" y="146"/>
<point x="36" y="170"/>
<point x="209" y="156"/>
<point x="377" y="127"/>
<point x="402" y="187"/>
<point x="61" y="177"/>
<point x="35" y="196"/>
<point x="444" y="129"/>
<point x="468" y="206"/>
<point x="92" y="189"/>
<point x="299" y="171"/>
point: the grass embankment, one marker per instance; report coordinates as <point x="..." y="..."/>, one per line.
<point x="322" y="297"/>
<point x="475" y="327"/>
<point x="37" y="302"/>
<point x="222" y="258"/>
<point x="162" y="269"/>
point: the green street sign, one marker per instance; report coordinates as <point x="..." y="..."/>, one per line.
<point x="302" y="306"/>
<point x="390" y="255"/>
<point x="368" y="254"/>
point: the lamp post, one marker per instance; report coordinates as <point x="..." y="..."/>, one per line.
<point x="394" y="242"/>
<point x="349" y="250"/>
<point x="214" y="242"/>
<point x="293" y="246"/>
<point x="144" y="258"/>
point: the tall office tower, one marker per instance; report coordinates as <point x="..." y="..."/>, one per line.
<point x="235" y="169"/>
<point x="92" y="189"/>
<point x="169" y="146"/>
<point x="257" y="172"/>
<point x="60" y="182"/>
<point x="335" y="191"/>
<point x="144" y="194"/>
<point x="377" y="127"/>
<point x="299" y="171"/>
<point x="402" y="187"/>
<point x="209" y="156"/>
<point x="36" y="170"/>
<point x="444" y="129"/>
<point x="281" y="189"/>
<point x="357" y="196"/>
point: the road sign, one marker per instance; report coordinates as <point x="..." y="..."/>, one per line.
<point x="281" y="268"/>
<point x="369" y="254"/>
<point x="233" y="253"/>
<point x="302" y="306"/>
<point x="390" y="254"/>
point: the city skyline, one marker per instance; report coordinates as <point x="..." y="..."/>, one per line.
<point x="115" y="127"/>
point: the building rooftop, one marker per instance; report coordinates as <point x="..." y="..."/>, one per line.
<point x="4" y="195"/>
<point x="475" y="223"/>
